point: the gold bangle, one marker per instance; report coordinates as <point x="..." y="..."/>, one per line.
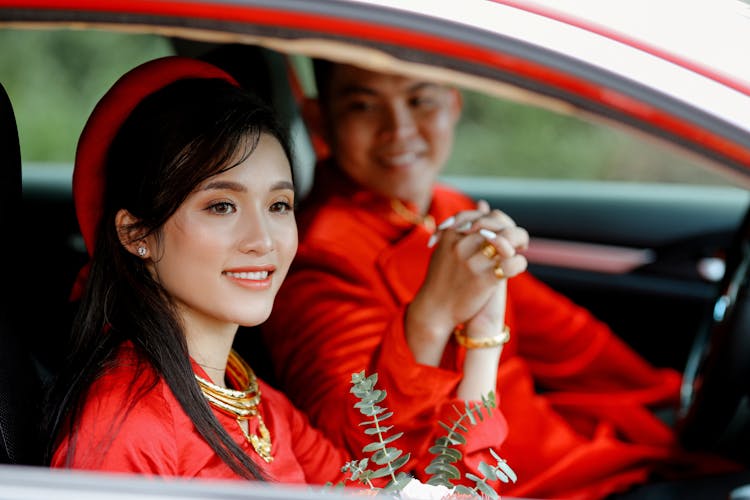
<point x="472" y="343"/>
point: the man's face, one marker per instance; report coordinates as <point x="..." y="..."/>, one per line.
<point x="391" y="134"/>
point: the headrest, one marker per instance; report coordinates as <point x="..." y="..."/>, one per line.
<point x="106" y="119"/>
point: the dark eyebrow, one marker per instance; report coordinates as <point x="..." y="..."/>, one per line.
<point x="354" y="89"/>
<point x="282" y="185"/>
<point x="236" y="186"/>
<point x="423" y="85"/>
<point x="231" y="186"/>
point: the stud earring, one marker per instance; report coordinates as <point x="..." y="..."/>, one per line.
<point x="142" y="251"/>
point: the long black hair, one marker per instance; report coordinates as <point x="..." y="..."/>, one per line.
<point x="173" y="140"/>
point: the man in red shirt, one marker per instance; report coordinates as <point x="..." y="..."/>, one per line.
<point x="378" y="286"/>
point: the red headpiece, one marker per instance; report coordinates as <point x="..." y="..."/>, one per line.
<point x="109" y="114"/>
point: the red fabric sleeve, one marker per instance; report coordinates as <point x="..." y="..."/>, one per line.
<point x="564" y="344"/>
<point x="319" y="460"/>
<point x="588" y="374"/>
<point x="341" y="319"/>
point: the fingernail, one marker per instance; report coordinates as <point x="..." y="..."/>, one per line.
<point x="489" y="235"/>
<point x="447" y="223"/>
<point x="433" y="239"/>
<point x="464" y="227"/>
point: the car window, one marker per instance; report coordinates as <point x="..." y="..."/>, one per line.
<point x="496" y="137"/>
<point x="501" y="138"/>
<point x="526" y="138"/>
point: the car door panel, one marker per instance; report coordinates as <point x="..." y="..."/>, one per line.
<point x="646" y="259"/>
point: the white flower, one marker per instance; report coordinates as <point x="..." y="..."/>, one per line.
<point x="417" y="490"/>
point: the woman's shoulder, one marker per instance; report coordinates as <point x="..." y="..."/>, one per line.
<point x="130" y="390"/>
<point x="128" y="419"/>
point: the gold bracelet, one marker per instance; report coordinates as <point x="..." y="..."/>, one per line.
<point x="472" y="343"/>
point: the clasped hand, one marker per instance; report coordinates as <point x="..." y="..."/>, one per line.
<point x="476" y="251"/>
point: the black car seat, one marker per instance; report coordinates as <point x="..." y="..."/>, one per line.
<point x="20" y="389"/>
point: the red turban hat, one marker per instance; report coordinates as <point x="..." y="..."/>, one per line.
<point x="102" y="126"/>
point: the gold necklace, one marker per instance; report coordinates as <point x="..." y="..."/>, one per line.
<point x="428" y="221"/>
<point x="241" y="404"/>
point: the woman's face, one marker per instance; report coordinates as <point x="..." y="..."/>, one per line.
<point x="225" y="252"/>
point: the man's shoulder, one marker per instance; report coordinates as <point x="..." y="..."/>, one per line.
<point x="339" y="219"/>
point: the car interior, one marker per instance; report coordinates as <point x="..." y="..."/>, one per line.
<point x="664" y="304"/>
<point x="19" y="385"/>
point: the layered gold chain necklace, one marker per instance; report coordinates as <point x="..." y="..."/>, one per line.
<point x="241" y="404"/>
<point x="428" y="221"/>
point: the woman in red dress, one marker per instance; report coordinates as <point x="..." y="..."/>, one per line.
<point x="184" y="195"/>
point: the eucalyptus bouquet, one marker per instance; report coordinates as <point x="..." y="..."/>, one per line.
<point x="386" y="460"/>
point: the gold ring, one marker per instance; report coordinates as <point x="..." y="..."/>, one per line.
<point x="488" y="250"/>
<point x="499" y="273"/>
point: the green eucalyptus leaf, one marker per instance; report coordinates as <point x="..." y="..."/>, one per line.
<point x="469" y="414"/>
<point x="392" y="438"/>
<point x="446" y="470"/>
<point x="440" y="481"/>
<point x="445" y="426"/>
<point x="452" y="454"/>
<point x="503" y="466"/>
<point x="480" y="415"/>
<point x="489" y="402"/>
<point x="437" y="449"/>
<point x="500" y="476"/>
<point x="487" y="471"/>
<point x="465" y="490"/>
<point x="372" y="397"/>
<point x="402" y="479"/>
<point x="372" y="447"/>
<point x="379" y="396"/>
<point x="457" y="438"/>
<point x="367" y="411"/>
<point x="382" y="472"/>
<point x="486" y="489"/>
<point x="399" y="462"/>
<point x="381" y="457"/>
<point x="442" y="441"/>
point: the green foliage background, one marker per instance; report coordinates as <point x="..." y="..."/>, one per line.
<point x="54" y="79"/>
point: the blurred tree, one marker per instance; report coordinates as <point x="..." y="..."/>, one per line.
<point x="55" y="90"/>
